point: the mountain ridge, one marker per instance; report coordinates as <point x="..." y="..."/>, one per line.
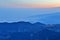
<point x="27" y="27"/>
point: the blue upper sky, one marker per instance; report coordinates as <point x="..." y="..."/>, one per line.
<point x="30" y="1"/>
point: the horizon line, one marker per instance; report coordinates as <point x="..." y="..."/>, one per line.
<point x="31" y="5"/>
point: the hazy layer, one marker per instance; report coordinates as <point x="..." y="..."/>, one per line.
<point x="21" y="14"/>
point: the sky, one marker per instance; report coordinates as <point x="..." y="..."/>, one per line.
<point x="30" y="3"/>
<point x="23" y="14"/>
<point x="16" y="10"/>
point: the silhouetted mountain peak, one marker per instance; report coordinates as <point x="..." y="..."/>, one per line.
<point x="27" y="26"/>
<point x="38" y="23"/>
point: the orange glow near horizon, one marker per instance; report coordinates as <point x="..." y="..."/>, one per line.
<point x="46" y="5"/>
<point x="42" y="5"/>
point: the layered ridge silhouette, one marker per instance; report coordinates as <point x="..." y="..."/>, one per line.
<point x="26" y="26"/>
<point x="28" y="31"/>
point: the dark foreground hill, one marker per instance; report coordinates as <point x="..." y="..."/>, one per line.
<point x="41" y="35"/>
<point x="28" y="31"/>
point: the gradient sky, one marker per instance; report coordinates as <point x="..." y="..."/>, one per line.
<point x="30" y="3"/>
<point x="22" y="9"/>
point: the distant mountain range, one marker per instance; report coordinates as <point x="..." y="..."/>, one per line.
<point x="53" y="18"/>
<point x="28" y="31"/>
<point x="21" y="27"/>
<point x="27" y="27"/>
